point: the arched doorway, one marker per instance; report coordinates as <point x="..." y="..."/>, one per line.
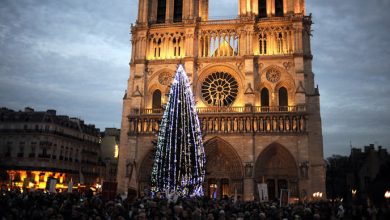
<point x="145" y="172"/>
<point x="224" y="171"/>
<point x="277" y="167"/>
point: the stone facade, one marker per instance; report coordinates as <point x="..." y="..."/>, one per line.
<point x="254" y="87"/>
<point x="110" y="152"/>
<point x="39" y="144"/>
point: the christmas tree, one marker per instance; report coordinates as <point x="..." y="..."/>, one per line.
<point x="179" y="163"/>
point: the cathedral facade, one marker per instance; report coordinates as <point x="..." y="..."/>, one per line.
<point x="254" y="89"/>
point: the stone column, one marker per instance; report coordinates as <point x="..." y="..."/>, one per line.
<point x="248" y="189"/>
<point x="169" y="11"/>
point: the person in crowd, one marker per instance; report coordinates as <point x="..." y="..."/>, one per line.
<point x="41" y="206"/>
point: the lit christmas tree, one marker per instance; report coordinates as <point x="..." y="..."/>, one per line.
<point x="179" y="164"/>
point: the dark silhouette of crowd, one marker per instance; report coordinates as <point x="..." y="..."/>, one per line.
<point x="40" y="206"/>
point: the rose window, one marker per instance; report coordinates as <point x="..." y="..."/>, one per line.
<point x="273" y="75"/>
<point x="219" y="89"/>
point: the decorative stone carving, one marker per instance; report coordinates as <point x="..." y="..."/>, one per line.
<point x="249" y="89"/>
<point x="261" y="65"/>
<point x="165" y="78"/>
<point x="287" y="65"/>
<point x="149" y="70"/>
<point x="137" y="92"/>
<point x="301" y="88"/>
<point x="240" y="65"/>
<point x="219" y="89"/>
<point x="304" y="169"/>
<point x="273" y="75"/>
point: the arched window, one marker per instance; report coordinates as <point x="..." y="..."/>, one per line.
<point x="158" y="50"/>
<point x="264" y="98"/>
<point x="263" y="44"/>
<point x="157" y="47"/>
<point x="161" y="11"/>
<point x="279" y="8"/>
<point x="156" y="104"/>
<point x="178" y="11"/>
<point x="283" y="98"/>
<point x="279" y="41"/>
<point x="262" y="8"/>
<point x="176" y="47"/>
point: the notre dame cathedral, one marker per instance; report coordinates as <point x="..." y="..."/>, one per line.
<point x="254" y="88"/>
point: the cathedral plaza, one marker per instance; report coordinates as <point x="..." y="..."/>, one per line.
<point x="194" y="109"/>
<point x="255" y="93"/>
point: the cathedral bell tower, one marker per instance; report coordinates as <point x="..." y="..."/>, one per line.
<point x="254" y="86"/>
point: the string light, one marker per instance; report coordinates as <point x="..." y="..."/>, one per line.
<point x="179" y="164"/>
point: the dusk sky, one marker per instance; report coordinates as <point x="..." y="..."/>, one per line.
<point x="73" y="56"/>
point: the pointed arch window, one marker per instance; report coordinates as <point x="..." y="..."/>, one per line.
<point x="156" y="103"/>
<point x="157" y="48"/>
<point x="161" y="11"/>
<point x="262" y="8"/>
<point x="176" y="47"/>
<point x="279" y="12"/>
<point x="263" y="44"/>
<point x="264" y="99"/>
<point x="283" y="99"/>
<point x="279" y="41"/>
<point x="178" y="11"/>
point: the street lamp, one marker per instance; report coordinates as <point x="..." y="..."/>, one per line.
<point x="354" y="191"/>
<point x="317" y="195"/>
<point x="387" y="194"/>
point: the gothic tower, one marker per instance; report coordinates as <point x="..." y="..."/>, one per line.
<point x="254" y="86"/>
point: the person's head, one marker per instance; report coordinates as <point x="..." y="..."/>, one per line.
<point x="262" y="216"/>
<point x="210" y="216"/>
<point x="141" y="215"/>
<point x="178" y="209"/>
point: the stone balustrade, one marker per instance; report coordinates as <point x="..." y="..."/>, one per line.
<point x="289" y="119"/>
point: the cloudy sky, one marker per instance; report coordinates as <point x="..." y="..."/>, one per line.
<point x="73" y="56"/>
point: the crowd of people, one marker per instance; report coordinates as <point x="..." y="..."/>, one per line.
<point x="40" y="205"/>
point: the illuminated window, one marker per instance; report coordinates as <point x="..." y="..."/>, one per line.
<point x="157" y="48"/>
<point x="263" y="44"/>
<point x="279" y="41"/>
<point x="176" y="47"/>
<point x="220" y="89"/>
<point x="116" y="151"/>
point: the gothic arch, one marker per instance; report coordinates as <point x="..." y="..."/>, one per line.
<point x="156" y="74"/>
<point x="223" y="165"/>
<point x="289" y="85"/>
<point x="266" y="162"/>
<point x="145" y="172"/>
<point x="259" y="87"/>
<point x="150" y="92"/>
<point x="265" y="97"/>
<point x="156" y="99"/>
<point x="286" y="80"/>
<point x="230" y="69"/>
<point x="278" y="168"/>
